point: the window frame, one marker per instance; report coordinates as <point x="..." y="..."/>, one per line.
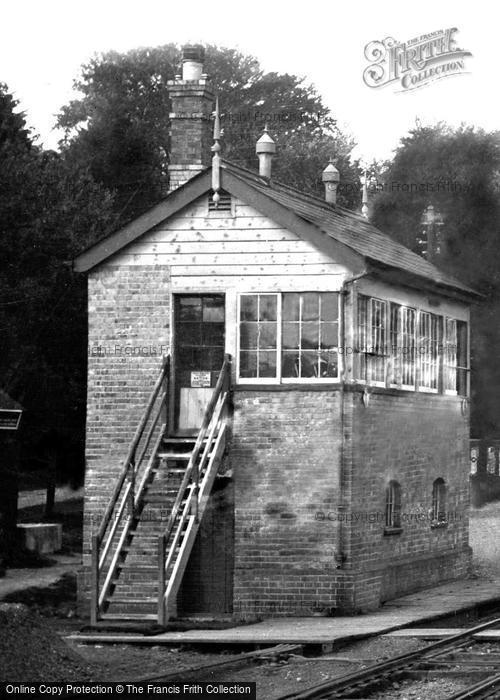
<point x="420" y="357"/>
<point x="463" y="336"/>
<point x="398" y="358"/>
<point x="279" y="379"/>
<point x="368" y="329"/>
<point x="259" y="380"/>
<point x="394" y="360"/>
<point x="446" y="366"/>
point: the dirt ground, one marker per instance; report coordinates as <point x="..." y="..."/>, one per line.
<point x="33" y="646"/>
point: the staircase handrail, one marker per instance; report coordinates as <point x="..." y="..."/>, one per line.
<point x="130" y="458"/>
<point x="223" y="383"/>
<point x="129" y="495"/>
<point x="214" y="423"/>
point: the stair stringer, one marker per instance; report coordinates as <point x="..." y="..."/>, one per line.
<point x="193" y="526"/>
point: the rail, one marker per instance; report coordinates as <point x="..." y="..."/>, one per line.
<point x="175" y="543"/>
<point x="111" y="536"/>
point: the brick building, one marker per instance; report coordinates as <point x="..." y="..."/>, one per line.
<point x="305" y="446"/>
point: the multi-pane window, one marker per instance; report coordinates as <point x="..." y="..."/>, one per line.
<point x="407" y="346"/>
<point x="394" y="374"/>
<point x="199" y="330"/>
<point x="455" y="356"/>
<point x="289" y="336"/>
<point x="438" y="513"/>
<point x="393" y="506"/>
<point x="259" y="335"/>
<point x="394" y="341"/>
<point x="462" y="358"/>
<point x="309" y="335"/>
<point x="372" y="317"/>
<point x="428" y="349"/>
<point x="450" y="355"/>
<point x="402" y="345"/>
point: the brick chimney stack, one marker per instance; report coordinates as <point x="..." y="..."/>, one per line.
<point x="192" y="99"/>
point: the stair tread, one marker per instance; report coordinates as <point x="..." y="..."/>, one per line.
<point x="170" y="471"/>
<point x="127" y="616"/>
<point x="132" y="601"/>
<point x="174" y="455"/>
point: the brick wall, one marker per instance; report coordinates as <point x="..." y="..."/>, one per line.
<point x="191" y="129"/>
<point x="413" y="438"/>
<point x="129" y="319"/>
<point x="285" y="458"/>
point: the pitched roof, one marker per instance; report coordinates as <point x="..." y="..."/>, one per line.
<point x="350" y="231"/>
<point x="349" y="228"/>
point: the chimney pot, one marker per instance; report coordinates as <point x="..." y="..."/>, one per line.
<point x="265" y="148"/>
<point x="192" y="102"/>
<point x="331" y="178"/>
<point x="193" y="57"/>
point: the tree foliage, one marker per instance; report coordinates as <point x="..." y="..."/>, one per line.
<point x="457" y="171"/>
<point x="119" y="125"/>
<point x="49" y="210"/>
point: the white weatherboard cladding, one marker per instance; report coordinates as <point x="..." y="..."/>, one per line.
<point x="238" y="249"/>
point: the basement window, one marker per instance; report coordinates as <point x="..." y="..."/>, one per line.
<point x="224" y="203"/>
<point x="438" y="512"/>
<point x="393" y="509"/>
<point x="289" y="337"/>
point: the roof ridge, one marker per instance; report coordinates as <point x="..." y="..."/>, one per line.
<point x="304" y="195"/>
<point x="341" y="218"/>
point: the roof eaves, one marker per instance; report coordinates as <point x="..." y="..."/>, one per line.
<point x="171" y="204"/>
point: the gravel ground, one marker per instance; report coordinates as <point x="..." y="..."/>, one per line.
<point x="435" y="689"/>
<point x="30" y="650"/>
<point x="299" y="673"/>
<point x="484" y="538"/>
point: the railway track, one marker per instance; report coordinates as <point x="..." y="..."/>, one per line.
<point x="444" y="657"/>
<point x="279" y="651"/>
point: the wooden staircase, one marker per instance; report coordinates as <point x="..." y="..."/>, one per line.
<point x="140" y="552"/>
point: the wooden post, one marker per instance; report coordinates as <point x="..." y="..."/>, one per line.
<point x="162" y="545"/>
<point x="51" y="483"/>
<point x="94" y="592"/>
<point x="9" y="456"/>
<point x="482" y="458"/>
<point x="131" y="476"/>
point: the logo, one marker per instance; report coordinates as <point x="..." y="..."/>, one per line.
<point x="414" y="63"/>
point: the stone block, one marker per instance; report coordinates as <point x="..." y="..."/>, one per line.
<point x="43" y="538"/>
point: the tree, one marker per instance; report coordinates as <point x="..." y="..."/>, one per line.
<point x="119" y="125"/>
<point x="118" y="128"/>
<point x="50" y="208"/>
<point x="457" y="171"/>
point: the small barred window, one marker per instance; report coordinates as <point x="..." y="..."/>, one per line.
<point x="438" y="515"/>
<point x="393" y="507"/>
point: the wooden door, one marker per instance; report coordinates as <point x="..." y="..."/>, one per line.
<point x="199" y="325"/>
<point x="207" y="586"/>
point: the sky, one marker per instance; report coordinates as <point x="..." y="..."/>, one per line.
<point x="45" y="43"/>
